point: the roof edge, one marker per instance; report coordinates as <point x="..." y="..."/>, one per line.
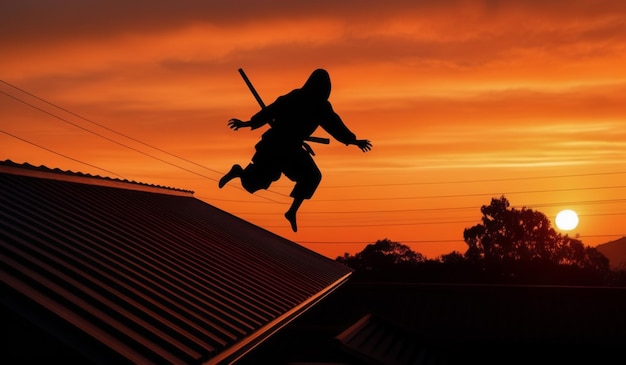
<point x="44" y="172"/>
<point x="246" y="345"/>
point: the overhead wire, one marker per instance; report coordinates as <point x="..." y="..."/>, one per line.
<point x="477" y="194"/>
<point x="439" y="240"/>
<point x="110" y="129"/>
<point x="476" y="181"/>
<point x="105" y="137"/>
<point x="117" y="142"/>
<point x="221" y="173"/>
<point x="582" y="202"/>
<point x="281" y="194"/>
<point x="60" y="154"/>
<point x="387" y="224"/>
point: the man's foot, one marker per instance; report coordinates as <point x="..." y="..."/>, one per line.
<point x="291" y="217"/>
<point x="234" y="172"/>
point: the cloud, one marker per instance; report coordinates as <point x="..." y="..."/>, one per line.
<point x="438" y="80"/>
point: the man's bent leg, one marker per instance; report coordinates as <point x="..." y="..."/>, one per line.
<point x="291" y="213"/>
<point x="234" y="172"/>
<point x="307" y="176"/>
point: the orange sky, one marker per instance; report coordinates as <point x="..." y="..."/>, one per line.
<point x="463" y="101"/>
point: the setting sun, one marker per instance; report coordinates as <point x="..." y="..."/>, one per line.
<point x="567" y="220"/>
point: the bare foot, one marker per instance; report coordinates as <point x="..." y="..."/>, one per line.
<point x="234" y="172"/>
<point x="291" y="217"/>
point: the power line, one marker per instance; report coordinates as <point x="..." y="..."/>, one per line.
<point x="442" y="240"/>
<point x="583" y="202"/>
<point x="109" y="129"/>
<point x="60" y="154"/>
<point x="270" y="191"/>
<point x="338" y="186"/>
<point x="395" y="223"/>
<point x="237" y="201"/>
<point x="281" y="194"/>
<point x="104" y="137"/>
<point x="415" y="221"/>
<point x="367" y="242"/>
<point x="533" y="205"/>
<point x="474" y="181"/>
<point x="383" y="224"/>
<point x="120" y="143"/>
<point x="476" y="194"/>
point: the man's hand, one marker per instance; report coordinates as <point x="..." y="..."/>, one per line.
<point x="235" y="124"/>
<point x="364" y="144"/>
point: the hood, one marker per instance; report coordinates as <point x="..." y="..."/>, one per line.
<point x="318" y="84"/>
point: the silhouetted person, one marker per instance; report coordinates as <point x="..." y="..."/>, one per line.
<point x="292" y="118"/>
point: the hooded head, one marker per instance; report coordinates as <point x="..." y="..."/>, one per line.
<point x="318" y="84"/>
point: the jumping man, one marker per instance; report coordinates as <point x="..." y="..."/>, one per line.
<point x="292" y="119"/>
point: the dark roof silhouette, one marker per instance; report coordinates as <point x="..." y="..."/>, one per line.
<point x="374" y="339"/>
<point x="406" y="323"/>
<point x="120" y="271"/>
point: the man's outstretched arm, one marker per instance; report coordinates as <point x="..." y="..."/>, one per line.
<point x="254" y="123"/>
<point x="364" y="144"/>
<point x="235" y="124"/>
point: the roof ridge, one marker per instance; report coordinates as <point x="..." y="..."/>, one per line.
<point x="41" y="170"/>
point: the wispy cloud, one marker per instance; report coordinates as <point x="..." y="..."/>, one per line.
<point x="442" y="88"/>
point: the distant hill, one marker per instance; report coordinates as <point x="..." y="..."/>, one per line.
<point x="615" y="251"/>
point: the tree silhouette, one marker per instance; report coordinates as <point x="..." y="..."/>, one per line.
<point x="522" y="243"/>
<point x="514" y="246"/>
<point x="382" y="256"/>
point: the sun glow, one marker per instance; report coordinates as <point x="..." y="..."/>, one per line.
<point x="566" y="220"/>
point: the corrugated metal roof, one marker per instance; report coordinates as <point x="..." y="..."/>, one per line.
<point x="129" y="272"/>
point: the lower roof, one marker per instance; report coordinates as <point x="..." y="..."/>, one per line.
<point x="127" y="274"/>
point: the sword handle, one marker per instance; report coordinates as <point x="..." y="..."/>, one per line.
<point x="251" y="87"/>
